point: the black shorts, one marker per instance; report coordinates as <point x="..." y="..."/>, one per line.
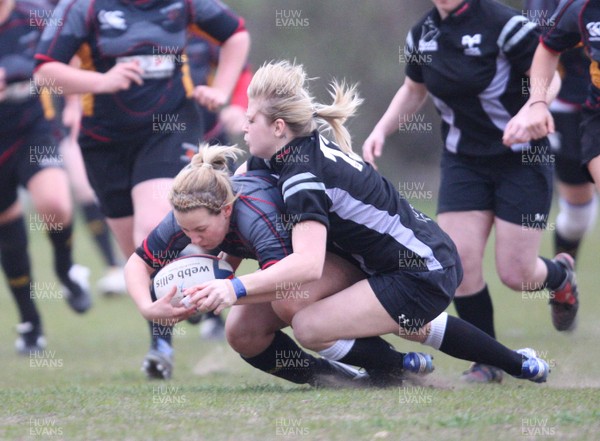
<point x="115" y="167"/>
<point x="25" y="156"/>
<point x="416" y="298"/>
<point x="516" y="187"/>
<point x="590" y="138"/>
<point x="566" y="144"/>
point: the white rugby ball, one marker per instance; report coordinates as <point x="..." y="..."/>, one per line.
<point x="189" y="271"/>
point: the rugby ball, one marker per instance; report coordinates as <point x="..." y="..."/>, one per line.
<point x="188" y="271"/>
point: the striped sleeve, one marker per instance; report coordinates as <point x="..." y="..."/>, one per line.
<point x="304" y="196"/>
<point x="518" y="41"/>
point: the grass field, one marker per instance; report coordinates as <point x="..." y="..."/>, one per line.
<point x="88" y="386"/>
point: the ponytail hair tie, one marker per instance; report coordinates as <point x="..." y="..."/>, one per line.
<point x="206" y="165"/>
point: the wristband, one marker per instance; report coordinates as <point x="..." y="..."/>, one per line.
<point x="540" y="101"/>
<point x="238" y="287"/>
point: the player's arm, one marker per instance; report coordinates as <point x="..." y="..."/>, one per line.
<point x="73" y="80"/>
<point x="409" y="99"/>
<point x="137" y="279"/>
<point x="303" y="265"/>
<point x="534" y="120"/>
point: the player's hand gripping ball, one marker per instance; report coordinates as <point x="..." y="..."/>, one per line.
<point x="189" y="271"/>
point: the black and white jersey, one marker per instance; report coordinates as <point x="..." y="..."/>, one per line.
<point x="364" y="213"/>
<point x="578" y="21"/>
<point x="473" y="64"/>
<point x="257" y="230"/>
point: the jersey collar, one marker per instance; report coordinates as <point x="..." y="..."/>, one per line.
<point x="285" y="153"/>
<point x="462" y="11"/>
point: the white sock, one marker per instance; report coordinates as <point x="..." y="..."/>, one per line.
<point x="573" y="221"/>
<point x="436" y="333"/>
<point x="338" y="350"/>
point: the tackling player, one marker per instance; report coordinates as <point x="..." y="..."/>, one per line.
<point x="243" y="218"/>
<point x="335" y="200"/>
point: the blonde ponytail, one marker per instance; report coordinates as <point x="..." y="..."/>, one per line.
<point x="205" y="181"/>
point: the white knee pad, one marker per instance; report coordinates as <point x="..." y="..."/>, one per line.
<point x="574" y="221"/>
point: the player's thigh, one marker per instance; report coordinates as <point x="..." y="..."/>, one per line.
<point x="50" y="194"/>
<point x="338" y="274"/>
<point x="352" y="313"/>
<point x="150" y="205"/>
<point x="250" y="328"/>
<point x="401" y="302"/>
<point x="75" y="167"/>
<point x="122" y="230"/>
<point x="469" y="230"/>
<point x="594" y="169"/>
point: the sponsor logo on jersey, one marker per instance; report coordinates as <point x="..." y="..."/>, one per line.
<point x="112" y="20"/>
<point x="470" y="43"/>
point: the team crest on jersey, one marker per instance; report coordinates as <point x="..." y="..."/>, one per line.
<point x="429" y="35"/>
<point x="593" y="29"/>
<point x="470" y="43"/>
<point x="112" y="20"/>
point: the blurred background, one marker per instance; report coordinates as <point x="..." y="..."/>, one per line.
<point x="360" y="41"/>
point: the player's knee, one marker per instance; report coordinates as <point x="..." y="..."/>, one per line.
<point x="243" y="338"/>
<point x="517" y="278"/>
<point x="54" y="210"/>
<point x="305" y="333"/>
<point x="286" y="309"/>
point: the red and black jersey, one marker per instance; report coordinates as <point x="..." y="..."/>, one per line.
<point x="574" y="64"/>
<point x="578" y="21"/>
<point x="258" y="229"/>
<point x="152" y="32"/>
<point x="364" y="213"/>
<point x="473" y="64"/>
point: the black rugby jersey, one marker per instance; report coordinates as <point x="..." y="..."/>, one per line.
<point x="258" y="228"/>
<point x="364" y="213"/>
<point x="578" y="21"/>
<point x="574" y="64"/>
<point x="19" y="35"/>
<point x="473" y="64"/>
<point x="103" y="32"/>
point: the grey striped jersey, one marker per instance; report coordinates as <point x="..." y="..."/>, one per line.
<point x="473" y="64"/>
<point x="364" y="213"/>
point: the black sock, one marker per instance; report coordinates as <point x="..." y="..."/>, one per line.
<point x="99" y="229"/>
<point x="465" y="341"/>
<point x="61" y="238"/>
<point x="285" y="359"/>
<point x="562" y="245"/>
<point x="160" y="331"/>
<point x="374" y="353"/>
<point x="478" y="310"/>
<point x="556" y="274"/>
<point x="15" y="263"/>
